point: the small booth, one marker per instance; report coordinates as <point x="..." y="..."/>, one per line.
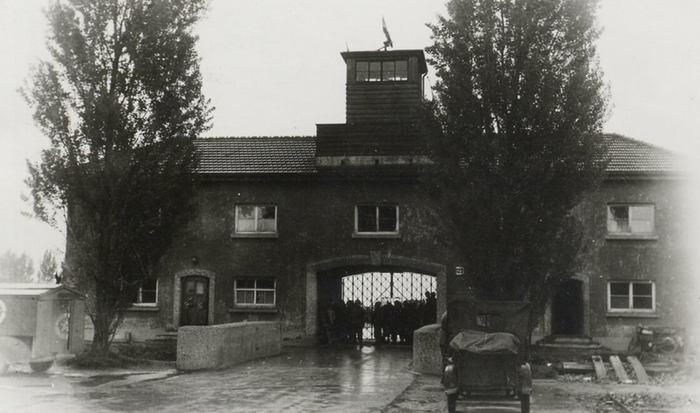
<point x="39" y="322"/>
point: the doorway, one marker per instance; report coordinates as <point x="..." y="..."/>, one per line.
<point x="194" y="301"/>
<point x="567" y="309"/>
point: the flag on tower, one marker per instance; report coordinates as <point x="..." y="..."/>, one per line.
<point x="388" y="42"/>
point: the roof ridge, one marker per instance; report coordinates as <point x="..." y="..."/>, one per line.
<point x="637" y="141"/>
<point x="255" y="137"/>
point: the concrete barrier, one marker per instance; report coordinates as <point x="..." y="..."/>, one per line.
<point x="426" y="350"/>
<point x="223" y="345"/>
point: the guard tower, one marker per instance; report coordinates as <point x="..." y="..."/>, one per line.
<point x="383" y="89"/>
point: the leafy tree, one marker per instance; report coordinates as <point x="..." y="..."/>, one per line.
<point x="515" y="135"/>
<point x="16" y="268"/>
<point x="121" y="103"/>
<point x="48" y="268"/>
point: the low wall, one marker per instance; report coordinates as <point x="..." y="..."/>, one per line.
<point x="427" y="357"/>
<point x="223" y="345"/>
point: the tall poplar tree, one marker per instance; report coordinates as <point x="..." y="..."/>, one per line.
<point x="515" y="137"/>
<point x="120" y="101"/>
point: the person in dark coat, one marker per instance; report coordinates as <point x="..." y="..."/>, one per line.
<point x="378" y="321"/>
<point x="388" y="329"/>
<point x="430" y="308"/>
<point x="444" y="336"/>
<point x="357" y="321"/>
<point x="395" y="322"/>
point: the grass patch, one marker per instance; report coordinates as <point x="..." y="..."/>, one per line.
<point x="142" y="351"/>
<point x="89" y="359"/>
<point x="124" y="356"/>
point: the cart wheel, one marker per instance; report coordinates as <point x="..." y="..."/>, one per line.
<point x="40" y="366"/>
<point x="668" y="345"/>
<point x="452" y="403"/>
<point x="524" y="403"/>
<point x="4" y="364"/>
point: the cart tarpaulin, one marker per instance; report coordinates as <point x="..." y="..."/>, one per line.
<point x="478" y="342"/>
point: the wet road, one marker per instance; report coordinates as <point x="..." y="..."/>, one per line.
<point x="342" y="379"/>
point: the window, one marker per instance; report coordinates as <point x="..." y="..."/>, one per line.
<point x="147" y="295"/>
<point x="256" y="219"/>
<point x="377" y="219"/>
<point x="490" y="321"/>
<point x="388" y="71"/>
<point x="630" y="219"/>
<point x="255" y="292"/>
<point x="631" y="296"/>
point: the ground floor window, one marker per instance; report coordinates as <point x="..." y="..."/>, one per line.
<point x="147" y="295"/>
<point x="631" y="296"/>
<point x="255" y="292"/>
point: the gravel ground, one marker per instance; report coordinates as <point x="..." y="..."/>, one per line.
<point x="677" y="392"/>
<point x="425" y="394"/>
<point x="647" y="403"/>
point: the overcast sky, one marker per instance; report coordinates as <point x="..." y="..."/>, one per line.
<point x="273" y="67"/>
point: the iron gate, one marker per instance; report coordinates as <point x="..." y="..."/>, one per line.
<point x="385" y="287"/>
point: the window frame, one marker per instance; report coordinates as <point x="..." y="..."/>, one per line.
<point x="383" y="71"/>
<point x="630" y="233"/>
<point x="631" y="297"/>
<point x="377" y="233"/>
<point x="255" y="291"/>
<point x="237" y="232"/>
<point x="139" y="295"/>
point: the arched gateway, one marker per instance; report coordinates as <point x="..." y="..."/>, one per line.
<point x="324" y="279"/>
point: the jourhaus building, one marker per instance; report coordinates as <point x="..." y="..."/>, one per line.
<point x="288" y="225"/>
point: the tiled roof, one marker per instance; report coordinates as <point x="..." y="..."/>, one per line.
<point x="296" y="155"/>
<point x="627" y="155"/>
<point x="257" y="155"/>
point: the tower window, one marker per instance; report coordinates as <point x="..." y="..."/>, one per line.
<point x="385" y="71"/>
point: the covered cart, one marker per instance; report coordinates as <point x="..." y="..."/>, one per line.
<point x="39" y="322"/>
<point x="487" y="352"/>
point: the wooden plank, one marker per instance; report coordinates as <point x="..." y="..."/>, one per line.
<point x="619" y="370"/>
<point x="642" y="376"/>
<point x="599" y="368"/>
<point x="661" y="368"/>
<point x="572" y="367"/>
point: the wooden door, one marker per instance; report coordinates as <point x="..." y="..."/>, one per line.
<point x="194" y="304"/>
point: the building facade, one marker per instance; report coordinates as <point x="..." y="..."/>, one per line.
<point x="284" y="222"/>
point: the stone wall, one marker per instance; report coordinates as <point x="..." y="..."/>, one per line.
<point x="223" y="345"/>
<point x="427" y="357"/>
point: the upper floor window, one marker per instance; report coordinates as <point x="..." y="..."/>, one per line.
<point x="147" y="295"/>
<point x="630" y="219"/>
<point x="256" y="219"/>
<point x="377" y="219"/>
<point x="255" y="292"/>
<point x="631" y="296"/>
<point x="386" y="71"/>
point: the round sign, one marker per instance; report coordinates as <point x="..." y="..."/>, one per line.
<point x="3" y="311"/>
<point x="62" y="325"/>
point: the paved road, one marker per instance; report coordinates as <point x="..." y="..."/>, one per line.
<point x="341" y="379"/>
<point x="304" y="380"/>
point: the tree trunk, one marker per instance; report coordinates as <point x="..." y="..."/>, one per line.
<point x="101" y="341"/>
<point x="103" y="321"/>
